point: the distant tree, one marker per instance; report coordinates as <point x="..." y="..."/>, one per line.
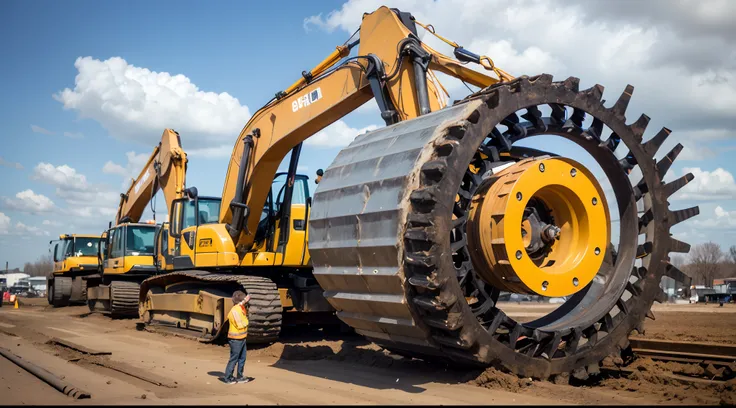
<point x="40" y="267"/>
<point x="732" y="254"/>
<point x="704" y="260"/>
<point x="677" y="260"/>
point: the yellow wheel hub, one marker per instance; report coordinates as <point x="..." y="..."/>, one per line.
<point x="540" y="226"/>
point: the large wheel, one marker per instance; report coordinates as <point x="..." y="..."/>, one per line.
<point x="415" y="230"/>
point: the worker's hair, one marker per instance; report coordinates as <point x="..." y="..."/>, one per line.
<point x="238" y="296"/>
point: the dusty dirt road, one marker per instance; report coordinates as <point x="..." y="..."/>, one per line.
<point x="305" y="368"/>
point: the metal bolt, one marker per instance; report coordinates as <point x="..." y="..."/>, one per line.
<point x="375" y="271"/>
<point x="518" y="254"/>
<point x="518" y="196"/>
<point x="595" y="201"/>
<point x="541" y="167"/>
<point x="573" y="172"/>
<point x="575" y="281"/>
<point x="597" y="251"/>
<point x="544" y="285"/>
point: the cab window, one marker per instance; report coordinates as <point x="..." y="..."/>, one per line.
<point x="117" y="244"/>
<point x="140" y="240"/>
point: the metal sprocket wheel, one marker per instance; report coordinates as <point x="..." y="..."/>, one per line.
<point x="595" y="322"/>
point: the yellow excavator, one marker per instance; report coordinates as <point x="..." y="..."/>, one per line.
<point x="126" y="252"/>
<point x="415" y="228"/>
<point x="74" y="257"/>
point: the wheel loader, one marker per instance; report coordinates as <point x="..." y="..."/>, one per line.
<point x="74" y="257"/>
<point x="415" y="228"/>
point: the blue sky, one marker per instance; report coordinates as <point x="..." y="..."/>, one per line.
<point x="250" y="50"/>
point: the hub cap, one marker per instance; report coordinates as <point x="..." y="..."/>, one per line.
<point x="539" y="226"/>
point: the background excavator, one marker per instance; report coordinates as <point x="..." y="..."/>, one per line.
<point x="415" y="228"/>
<point x="126" y="252"/>
<point x="74" y="257"/>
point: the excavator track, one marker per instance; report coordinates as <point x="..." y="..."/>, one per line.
<point x="389" y="247"/>
<point x="265" y="310"/>
<point x="124" y="299"/>
<point x="62" y="291"/>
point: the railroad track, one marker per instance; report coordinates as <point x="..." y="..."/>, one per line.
<point x="719" y="355"/>
<point x="717" y="362"/>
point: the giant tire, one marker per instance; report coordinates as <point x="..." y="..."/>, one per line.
<point x="395" y="265"/>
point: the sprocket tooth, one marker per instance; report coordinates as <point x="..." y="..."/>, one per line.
<point x="644" y="250"/>
<point x="572" y="83"/>
<point x="652" y="145"/>
<point x="619" y="108"/>
<point x="650" y="315"/>
<point x="685" y="214"/>
<point x="534" y="116"/>
<point x="664" y="165"/>
<point x="612" y="142"/>
<point x="595" y="92"/>
<point x="558" y="113"/>
<point x="595" y="131"/>
<point x="679" y="246"/>
<point x="673" y="186"/>
<point x="677" y="275"/>
<point x="639" y="127"/>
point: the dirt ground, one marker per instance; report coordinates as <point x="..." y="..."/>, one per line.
<point x="312" y="368"/>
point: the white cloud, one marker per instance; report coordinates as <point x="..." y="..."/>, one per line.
<point x="217" y="152"/>
<point x="4" y="224"/>
<point x="722" y="219"/>
<point x="29" y="202"/>
<point x="23" y="229"/>
<point x="6" y="228"/>
<point x="39" y="129"/>
<point x="707" y="185"/>
<point x="60" y="176"/>
<point x="338" y="134"/>
<point x="682" y="65"/>
<point x="137" y="104"/>
<point x="74" y="135"/>
<point x="133" y="166"/>
<point x="51" y="223"/>
<point x="14" y="165"/>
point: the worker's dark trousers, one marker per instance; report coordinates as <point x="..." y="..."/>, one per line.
<point x="237" y="355"/>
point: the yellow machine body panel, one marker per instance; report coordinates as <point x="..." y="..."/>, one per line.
<point x="75" y="252"/>
<point x="128" y="247"/>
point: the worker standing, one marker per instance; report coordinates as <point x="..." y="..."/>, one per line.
<point x="237" y="335"/>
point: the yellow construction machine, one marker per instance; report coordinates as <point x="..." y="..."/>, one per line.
<point x="126" y="252"/>
<point x="74" y="257"/>
<point x="416" y="227"/>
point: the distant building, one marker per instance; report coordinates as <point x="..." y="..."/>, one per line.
<point x="12" y="278"/>
<point x="38" y="283"/>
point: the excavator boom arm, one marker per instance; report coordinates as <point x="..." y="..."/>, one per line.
<point x="165" y="170"/>
<point x="391" y="62"/>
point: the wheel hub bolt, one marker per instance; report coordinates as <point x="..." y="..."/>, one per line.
<point x="551" y="233"/>
<point x="541" y="167"/>
<point x="575" y="281"/>
<point x="544" y="285"/>
<point x="518" y="196"/>
<point x="573" y="172"/>
<point x="518" y="254"/>
<point x="597" y="251"/>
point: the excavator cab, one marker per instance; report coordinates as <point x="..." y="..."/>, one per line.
<point x="177" y="241"/>
<point x="128" y="248"/>
<point x="283" y="229"/>
<point x="74" y="258"/>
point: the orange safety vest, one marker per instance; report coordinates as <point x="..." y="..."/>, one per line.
<point x="238" y="320"/>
